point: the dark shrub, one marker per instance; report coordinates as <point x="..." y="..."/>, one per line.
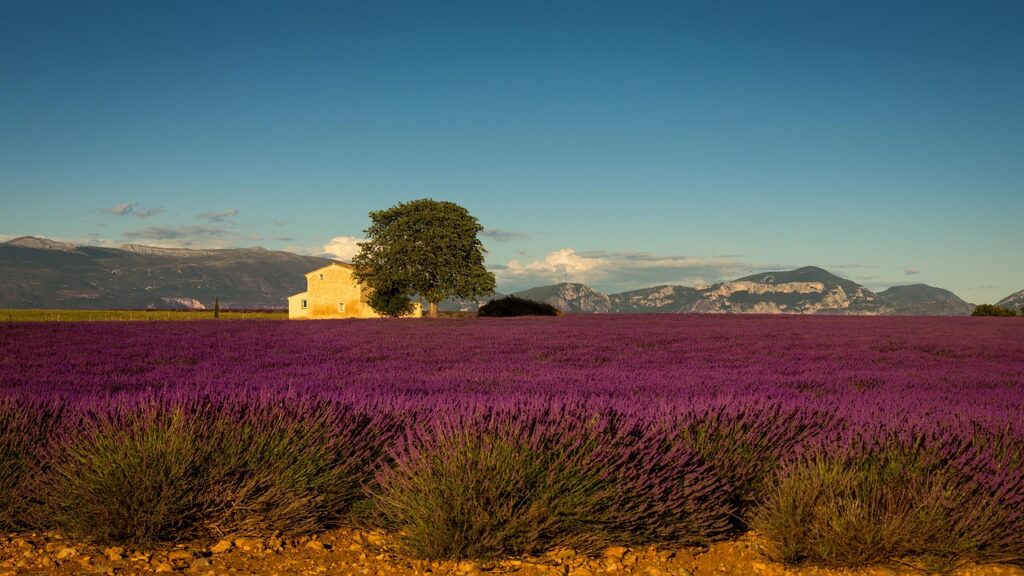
<point x="136" y="478"/>
<point x="660" y="491"/>
<point x="145" y="475"/>
<point x="294" y="471"/>
<point x="992" y="310"/>
<point x="744" y="449"/>
<point x="23" y="430"/>
<point x="515" y="306"/>
<point x="475" y="494"/>
<point x="894" y="503"/>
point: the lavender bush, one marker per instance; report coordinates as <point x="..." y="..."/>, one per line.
<point x="626" y="429"/>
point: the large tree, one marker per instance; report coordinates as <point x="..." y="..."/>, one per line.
<point x="424" y="247"/>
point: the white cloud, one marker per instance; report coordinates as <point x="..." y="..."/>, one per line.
<point x="911" y="270"/>
<point x="616" y="271"/>
<point x="560" y="263"/>
<point x="342" y="247"/>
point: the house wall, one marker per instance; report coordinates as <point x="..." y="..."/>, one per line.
<point x="333" y="285"/>
<point x="328" y="287"/>
<point x="295" y="309"/>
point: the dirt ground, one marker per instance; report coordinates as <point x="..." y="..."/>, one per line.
<point x="345" y="552"/>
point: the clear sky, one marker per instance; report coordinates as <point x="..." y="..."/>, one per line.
<point x="621" y="144"/>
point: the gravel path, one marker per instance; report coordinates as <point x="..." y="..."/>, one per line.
<point x="372" y="553"/>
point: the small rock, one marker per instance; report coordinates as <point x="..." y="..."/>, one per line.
<point x="66" y="553"/>
<point x="200" y="563"/>
<point x="183" y="555"/>
<point x="615" y="552"/>
<point x="114" y="554"/>
<point x="102" y="569"/>
<point x="140" y="557"/>
<point x="249" y="544"/>
<point x="221" y="547"/>
<point x="315" y="545"/>
<point x="163" y="567"/>
<point x="564" y="555"/>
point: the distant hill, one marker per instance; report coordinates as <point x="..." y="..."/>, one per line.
<point x="924" y="300"/>
<point x="569" y="297"/>
<point x="40" y="273"/>
<point x="808" y="290"/>
<point x="659" y="299"/>
<point x="463" y="305"/>
<point x="1013" y="301"/>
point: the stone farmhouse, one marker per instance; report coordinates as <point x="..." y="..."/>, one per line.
<point x="332" y="292"/>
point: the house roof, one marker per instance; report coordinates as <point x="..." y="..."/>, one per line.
<point x="331" y="265"/>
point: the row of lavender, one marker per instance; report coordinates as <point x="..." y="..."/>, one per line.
<point x="479" y="438"/>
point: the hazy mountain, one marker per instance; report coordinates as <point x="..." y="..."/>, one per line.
<point x="1013" y="301"/>
<point x="569" y="297"/>
<point x="924" y="300"/>
<point x="40" y="273"/>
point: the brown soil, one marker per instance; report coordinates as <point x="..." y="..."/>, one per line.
<point x="372" y="553"/>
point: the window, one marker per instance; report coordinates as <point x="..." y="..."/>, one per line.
<point x="303" y="304"/>
<point x="321" y="276"/>
<point x="341" y="306"/>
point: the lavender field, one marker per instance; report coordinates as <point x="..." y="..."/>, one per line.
<point x="843" y="440"/>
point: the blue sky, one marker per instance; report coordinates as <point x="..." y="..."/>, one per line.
<point x="620" y="144"/>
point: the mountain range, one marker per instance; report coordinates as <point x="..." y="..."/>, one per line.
<point x="41" y="273"/>
<point x="808" y="290"/>
<point x="1013" y="302"/>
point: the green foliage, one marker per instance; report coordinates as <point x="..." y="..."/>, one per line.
<point x="515" y="306"/>
<point x="21" y="435"/>
<point x="289" y="474"/>
<point x="481" y="495"/>
<point x="391" y="302"/>
<point x="888" y="506"/>
<point x="992" y="310"/>
<point x="147" y="476"/>
<point x="424" y="247"/>
<point x="139" y="483"/>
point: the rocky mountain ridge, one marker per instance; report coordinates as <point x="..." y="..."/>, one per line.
<point x="808" y="290"/>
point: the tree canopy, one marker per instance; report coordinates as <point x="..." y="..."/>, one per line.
<point x="992" y="310"/>
<point x="424" y="247"/>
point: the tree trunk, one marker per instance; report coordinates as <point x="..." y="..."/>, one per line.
<point x="432" y="310"/>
